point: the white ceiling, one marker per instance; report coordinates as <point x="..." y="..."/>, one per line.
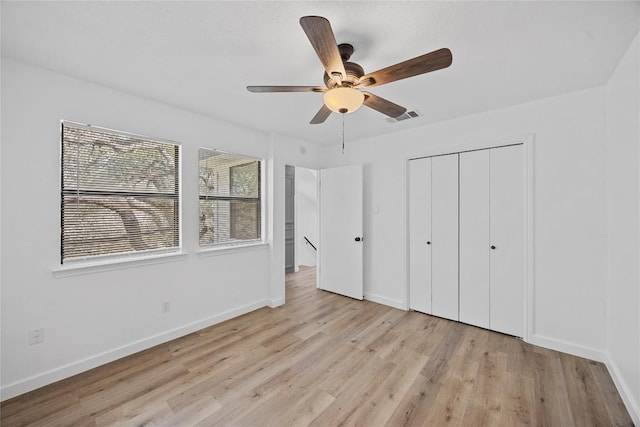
<point x="200" y="56"/>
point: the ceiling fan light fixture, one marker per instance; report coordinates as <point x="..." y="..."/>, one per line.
<point x="343" y="99"/>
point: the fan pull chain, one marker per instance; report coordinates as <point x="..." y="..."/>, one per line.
<point x="342" y="133"/>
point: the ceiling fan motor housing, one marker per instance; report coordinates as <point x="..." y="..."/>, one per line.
<point x="354" y="72"/>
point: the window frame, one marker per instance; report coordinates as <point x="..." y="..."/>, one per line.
<point x="231" y="245"/>
<point x="128" y="257"/>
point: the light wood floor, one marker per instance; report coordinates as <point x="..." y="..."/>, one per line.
<point x="327" y="360"/>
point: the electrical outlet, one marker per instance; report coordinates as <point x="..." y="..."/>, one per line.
<point x="166" y="307"/>
<point x="36" y="336"/>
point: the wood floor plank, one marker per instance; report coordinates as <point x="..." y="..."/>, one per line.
<point x="416" y="405"/>
<point x="208" y="383"/>
<point x="327" y="360"/>
<point x="301" y="379"/>
<point x="337" y="375"/>
<point x="327" y="314"/>
<point x="488" y="396"/>
<point x="355" y="392"/>
<point x="67" y="416"/>
<point x="109" y="398"/>
<point x="286" y="385"/>
<point x="235" y="385"/>
<point x="454" y="395"/>
<point x="551" y="396"/>
<point x="443" y="350"/>
<point x="304" y="411"/>
<point x="457" y="382"/>
<point x="154" y="413"/>
<point x="383" y="336"/>
<point x="587" y="406"/>
<point x="26" y="411"/>
<point x="151" y="417"/>
<point x="156" y="399"/>
<point x="610" y="396"/>
<point x="194" y="413"/>
<point x="229" y="414"/>
<point x="387" y="394"/>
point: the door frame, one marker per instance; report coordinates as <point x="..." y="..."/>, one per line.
<point x="527" y="140"/>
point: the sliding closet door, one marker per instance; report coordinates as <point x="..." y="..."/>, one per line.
<point x="444" y="233"/>
<point x="474" y="238"/>
<point x="507" y="204"/>
<point x="420" y="235"/>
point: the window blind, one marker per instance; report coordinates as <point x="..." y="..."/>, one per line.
<point x="230" y="198"/>
<point x="120" y="193"/>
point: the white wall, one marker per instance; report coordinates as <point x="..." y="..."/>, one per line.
<point x="92" y="318"/>
<point x="306" y="216"/>
<point x="623" y="224"/>
<point x="569" y="209"/>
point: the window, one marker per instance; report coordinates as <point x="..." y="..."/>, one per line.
<point x="120" y="193"/>
<point x="230" y="198"/>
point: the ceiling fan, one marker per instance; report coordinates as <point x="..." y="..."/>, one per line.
<point x="344" y="79"/>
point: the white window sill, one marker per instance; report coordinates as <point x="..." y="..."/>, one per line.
<point x="90" y="267"/>
<point x="231" y="249"/>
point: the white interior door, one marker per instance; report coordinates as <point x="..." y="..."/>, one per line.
<point x="420" y="235"/>
<point x="444" y="233"/>
<point x="507" y="236"/>
<point x="341" y="240"/>
<point x="474" y="238"/>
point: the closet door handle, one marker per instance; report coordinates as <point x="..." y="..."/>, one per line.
<point x="357" y="239"/>
<point x="428" y="243"/>
<point x="493" y="247"/>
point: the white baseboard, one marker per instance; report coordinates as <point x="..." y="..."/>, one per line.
<point x="566" y="347"/>
<point x="275" y="302"/>
<point x="385" y="301"/>
<point x="633" y="406"/>
<point x="28" y="384"/>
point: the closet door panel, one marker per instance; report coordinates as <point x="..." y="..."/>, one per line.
<point x="474" y="238"/>
<point x="444" y="234"/>
<point x="507" y="204"/>
<point x="419" y="235"/>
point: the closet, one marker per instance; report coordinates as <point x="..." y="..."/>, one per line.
<point x="466" y="237"/>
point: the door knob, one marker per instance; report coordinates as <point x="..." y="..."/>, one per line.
<point x="493" y="247"/>
<point x="428" y="243"/>
<point x="358" y="239"/>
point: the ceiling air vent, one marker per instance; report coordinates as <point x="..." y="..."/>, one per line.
<point x="406" y="116"/>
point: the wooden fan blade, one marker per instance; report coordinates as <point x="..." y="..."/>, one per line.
<point x="320" y="34"/>
<point x="382" y="105"/>
<point x="263" y="89"/>
<point x="321" y="115"/>
<point x="426" y="63"/>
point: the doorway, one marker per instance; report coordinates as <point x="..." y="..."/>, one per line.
<point x="289" y="219"/>
<point x="301" y="219"/>
<point x="327" y="227"/>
